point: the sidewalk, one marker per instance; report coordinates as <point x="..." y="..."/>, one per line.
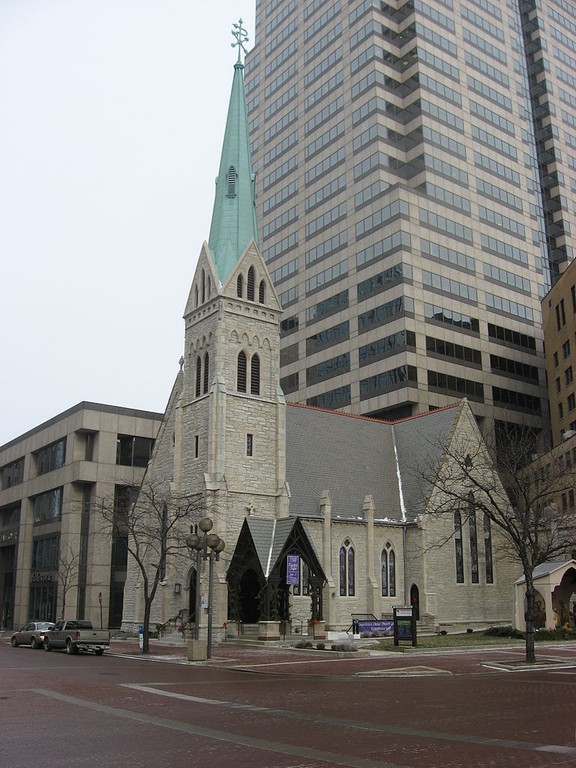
<point x="284" y="659"/>
<point x="367" y="660"/>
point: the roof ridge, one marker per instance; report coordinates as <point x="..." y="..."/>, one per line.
<point x="337" y="412"/>
<point x="372" y="418"/>
<point x="428" y="413"/>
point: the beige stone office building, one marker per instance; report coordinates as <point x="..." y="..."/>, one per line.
<point x="559" y="313"/>
<point x="414" y="164"/>
<point x="51" y="542"/>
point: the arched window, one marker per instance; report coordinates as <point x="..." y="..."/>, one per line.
<point x="384" y="573"/>
<point x="488" y="550"/>
<point x="239" y="285"/>
<point x="255" y="375"/>
<point x="459" y="554"/>
<point x="347" y="568"/>
<point x="474" y="573"/>
<point x="209" y="288"/>
<point x="164" y="539"/>
<point x="241" y="373"/>
<point x="196" y="295"/>
<point x="206" y="372"/>
<point x="351" y="572"/>
<point x="198" y="375"/>
<point x="203" y="286"/>
<point x="262" y="292"/>
<point x="250" y="284"/>
<point x="388" y="572"/>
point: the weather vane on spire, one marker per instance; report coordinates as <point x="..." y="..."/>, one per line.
<point x="241" y="37"/>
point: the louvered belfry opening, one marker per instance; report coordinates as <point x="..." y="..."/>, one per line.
<point x="241" y="373"/>
<point x="198" y="375"/>
<point x="231" y="181"/>
<point x="255" y="375"/>
<point x="251" y="284"/>
<point x="206" y="372"/>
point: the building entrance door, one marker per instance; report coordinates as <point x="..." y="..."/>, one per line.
<point x="249" y="591"/>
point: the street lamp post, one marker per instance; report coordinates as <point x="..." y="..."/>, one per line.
<point x="207" y="547"/>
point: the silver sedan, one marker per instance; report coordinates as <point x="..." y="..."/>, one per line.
<point x="31" y="634"/>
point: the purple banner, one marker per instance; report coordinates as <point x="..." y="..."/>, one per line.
<point x="292" y="569"/>
<point x="385" y="626"/>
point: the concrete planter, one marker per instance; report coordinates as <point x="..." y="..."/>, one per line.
<point x="269" y="630"/>
<point x="319" y="630"/>
<point x="197" y="650"/>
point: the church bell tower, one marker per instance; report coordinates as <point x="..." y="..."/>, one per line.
<point x="231" y="409"/>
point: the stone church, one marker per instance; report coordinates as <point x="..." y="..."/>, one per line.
<point x="324" y="515"/>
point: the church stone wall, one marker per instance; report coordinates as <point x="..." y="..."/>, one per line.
<point x="200" y="335"/>
<point x="255" y="332"/>
<point x="195" y="422"/>
<point x="432" y="553"/>
<point x="339" y="610"/>
<point x="452" y="602"/>
<point x="256" y="473"/>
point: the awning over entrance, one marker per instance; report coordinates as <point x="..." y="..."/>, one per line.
<point x="257" y="573"/>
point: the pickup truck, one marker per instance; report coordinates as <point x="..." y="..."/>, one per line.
<point x="77" y="635"/>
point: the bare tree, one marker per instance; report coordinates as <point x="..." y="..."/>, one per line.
<point x="520" y="494"/>
<point x="153" y="531"/>
<point x="68" y="566"/>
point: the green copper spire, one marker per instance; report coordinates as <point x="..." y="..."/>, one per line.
<point x="234" y="215"/>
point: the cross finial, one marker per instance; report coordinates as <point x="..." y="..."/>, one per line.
<point x="241" y="37"/>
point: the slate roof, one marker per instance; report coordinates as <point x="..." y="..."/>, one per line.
<point x="545" y="569"/>
<point x="420" y="443"/>
<point x="269" y="537"/>
<point x="352" y="457"/>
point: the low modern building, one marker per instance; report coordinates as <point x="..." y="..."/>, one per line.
<point x="55" y="555"/>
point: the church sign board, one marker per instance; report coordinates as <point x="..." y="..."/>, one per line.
<point x="404" y="624"/>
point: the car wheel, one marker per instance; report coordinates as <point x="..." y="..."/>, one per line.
<point x="13" y="642"/>
<point x="70" y="647"/>
<point x="47" y="646"/>
<point x="33" y="643"/>
<point x="99" y="651"/>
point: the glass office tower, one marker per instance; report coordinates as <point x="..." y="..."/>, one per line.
<point x="412" y="164"/>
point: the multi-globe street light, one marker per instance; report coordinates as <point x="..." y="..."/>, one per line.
<point x="208" y="547"/>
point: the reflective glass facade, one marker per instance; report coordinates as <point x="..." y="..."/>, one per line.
<point x="411" y="160"/>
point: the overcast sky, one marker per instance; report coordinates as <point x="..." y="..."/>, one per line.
<point x="112" y="115"/>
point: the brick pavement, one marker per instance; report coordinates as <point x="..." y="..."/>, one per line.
<point x="480" y="707"/>
<point x="288" y="707"/>
<point x="367" y="661"/>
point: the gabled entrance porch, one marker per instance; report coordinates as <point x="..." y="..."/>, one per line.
<point x="258" y="589"/>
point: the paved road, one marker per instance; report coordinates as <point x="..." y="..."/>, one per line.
<point x="286" y="709"/>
